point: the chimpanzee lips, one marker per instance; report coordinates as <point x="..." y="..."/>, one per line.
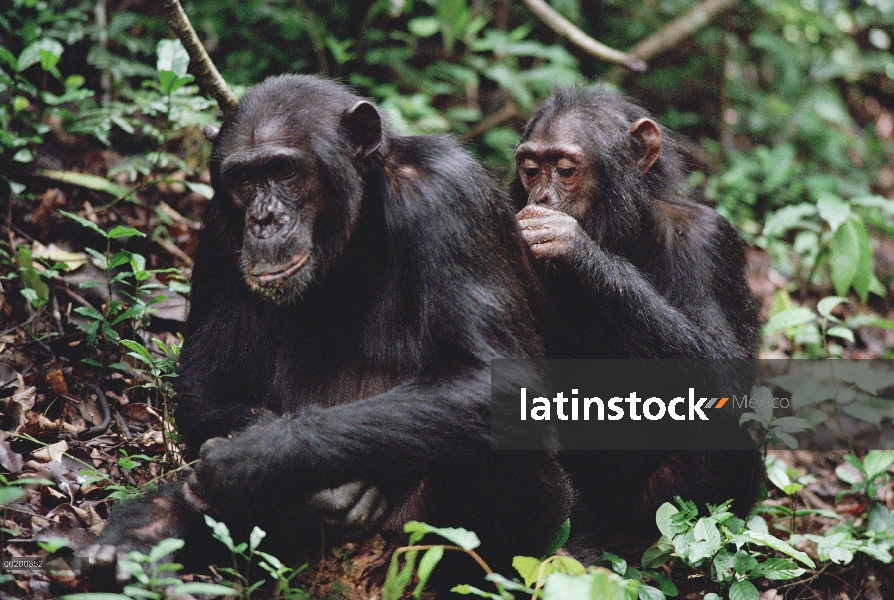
<point x="282" y="271"/>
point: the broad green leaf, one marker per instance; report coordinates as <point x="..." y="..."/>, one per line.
<point x="706" y="531"/>
<point x="833" y="210"/>
<point x="424" y="26"/>
<point x="789" y="318"/>
<point x="397" y="578"/>
<point x="172" y="56"/>
<point x="654" y="557"/>
<point x="647" y="592"/>
<point x="85" y="180"/>
<point x="208" y="589"/>
<point x="119" y="231"/>
<point x="82" y="221"/>
<point x="559" y="539"/>
<point x="851" y="259"/>
<point x="841" y="556"/>
<point x="877" y="462"/>
<point x="427" y="564"/>
<point x="463" y="538"/>
<point x="254" y="539"/>
<point x="165" y="547"/>
<point x="765" y="539"/>
<point x="528" y="567"/>
<point x="46" y="51"/>
<point x="663" y="519"/>
<point x="841" y="332"/>
<point x="743" y="590"/>
<point x="777" y="568"/>
<point x="11" y="494"/>
<point x="825" y="306"/>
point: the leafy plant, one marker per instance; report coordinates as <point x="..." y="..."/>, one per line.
<point x="244" y="553"/>
<point x="156" y="577"/>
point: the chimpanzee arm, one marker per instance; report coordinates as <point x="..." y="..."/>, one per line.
<point x="652" y="326"/>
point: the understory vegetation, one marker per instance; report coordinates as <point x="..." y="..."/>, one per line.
<point x="787" y="108"/>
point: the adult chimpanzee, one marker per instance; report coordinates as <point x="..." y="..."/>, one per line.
<point x="635" y="269"/>
<point x="350" y="287"/>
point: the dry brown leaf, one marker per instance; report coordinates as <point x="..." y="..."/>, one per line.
<point x="51" y="453"/>
<point x="57" y="382"/>
<point x="11" y="461"/>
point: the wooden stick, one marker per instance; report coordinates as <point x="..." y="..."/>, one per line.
<point x="207" y="74"/>
<point x="570" y="31"/>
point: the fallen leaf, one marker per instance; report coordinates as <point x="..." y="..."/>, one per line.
<point x="54" y="254"/>
<point x="51" y="453"/>
<point x="57" y="382"/>
<point x="11" y="461"/>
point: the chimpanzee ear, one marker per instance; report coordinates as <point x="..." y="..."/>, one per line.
<point x="210" y="132"/>
<point x="365" y="128"/>
<point x="648" y="147"/>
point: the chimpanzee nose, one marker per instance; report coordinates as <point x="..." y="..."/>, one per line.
<point x="539" y="198"/>
<point x="265" y="220"/>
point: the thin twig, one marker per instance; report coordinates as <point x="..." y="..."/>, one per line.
<point x="492" y="120"/>
<point x="207" y="74"/>
<point x="570" y="31"/>
<point x="680" y="28"/>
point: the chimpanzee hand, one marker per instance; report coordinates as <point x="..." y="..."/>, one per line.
<point x="221" y="478"/>
<point x="352" y="508"/>
<point x="549" y="233"/>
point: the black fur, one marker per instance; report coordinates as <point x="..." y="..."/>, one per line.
<point x="658" y="275"/>
<point x="377" y="370"/>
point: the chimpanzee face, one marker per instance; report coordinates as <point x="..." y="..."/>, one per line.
<point x="278" y="187"/>
<point x="293" y="171"/>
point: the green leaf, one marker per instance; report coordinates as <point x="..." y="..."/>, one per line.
<point x="427" y="564"/>
<point x="8" y="495"/>
<point x="85" y="180"/>
<point x="463" y="538"/>
<point x="841" y="556"/>
<point x="424" y="26"/>
<point x="877" y="462"/>
<point x="663" y="519"/>
<point x="778" y="569"/>
<point x="841" y="332"/>
<point x="254" y="539"/>
<point x="139" y="349"/>
<point x="397" y="578"/>
<point x="743" y="590"/>
<point x="706" y="531"/>
<point x="165" y="547"/>
<point x="825" y="306"/>
<point x="528" y="567"/>
<point x="789" y="318"/>
<point x="851" y="259"/>
<point x="559" y="539"/>
<point x="655" y="557"/>
<point x="172" y="56"/>
<point x="209" y="589"/>
<point x="119" y="231"/>
<point x="647" y="592"/>
<point x="46" y="51"/>
<point x="765" y="539"/>
<point x="82" y="221"/>
<point x="833" y="210"/>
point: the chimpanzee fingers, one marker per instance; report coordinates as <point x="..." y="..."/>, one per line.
<point x="105" y="558"/>
<point x="538" y="236"/>
<point x="337" y="500"/>
<point x="354" y="505"/>
<point x="535" y="223"/>
<point x="533" y="211"/>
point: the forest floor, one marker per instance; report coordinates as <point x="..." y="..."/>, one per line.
<point x="60" y="415"/>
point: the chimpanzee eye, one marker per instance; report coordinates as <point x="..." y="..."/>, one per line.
<point x="565" y="171"/>
<point x="531" y="172"/>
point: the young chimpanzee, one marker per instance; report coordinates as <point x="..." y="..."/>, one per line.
<point x="634" y="269"/>
<point x="350" y="288"/>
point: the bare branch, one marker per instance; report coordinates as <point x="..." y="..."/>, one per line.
<point x="508" y="111"/>
<point x="569" y="30"/>
<point x="207" y="74"/>
<point x="680" y="28"/>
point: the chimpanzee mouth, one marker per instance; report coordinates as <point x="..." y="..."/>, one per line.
<point x="282" y="271"/>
